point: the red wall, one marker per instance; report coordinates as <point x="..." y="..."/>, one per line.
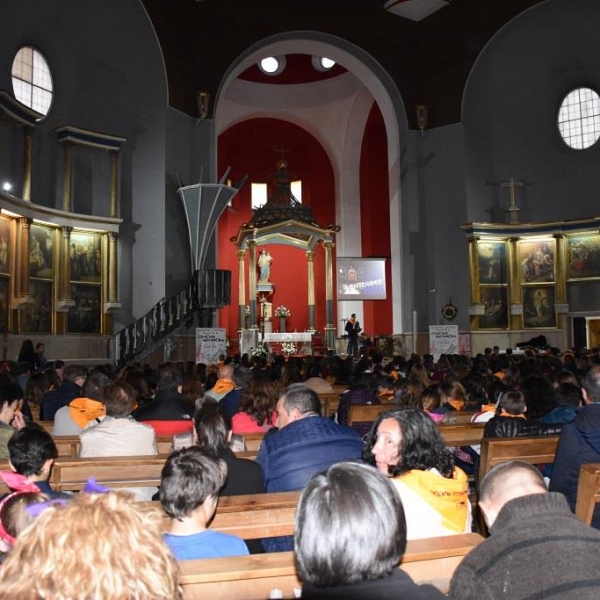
<point x="375" y="218"/>
<point x="248" y="148"/>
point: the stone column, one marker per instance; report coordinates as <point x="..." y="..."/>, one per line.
<point x="65" y="298"/>
<point x="68" y="178"/>
<point x="241" y="256"/>
<point x="23" y="297"/>
<point x="252" y="284"/>
<point x="475" y="293"/>
<point x="515" y="300"/>
<point x="561" y="269"/>
<point x="310" y="257"/>
<point x="113" y="273"/>
<point x="329" y="327"/>
<point x="27" y="151"/>
<point x="114" y="183"/>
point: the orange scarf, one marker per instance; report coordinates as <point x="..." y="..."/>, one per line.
<point x="223" y="386"/>
<point x="449" y="497"/>
<point x="84" y="410"/>
<point x="505" y="414"/>
<point x="456" y="403"/>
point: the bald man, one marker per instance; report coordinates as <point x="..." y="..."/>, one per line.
<point x="224" y="384"/>
<point x="537" y="547"/>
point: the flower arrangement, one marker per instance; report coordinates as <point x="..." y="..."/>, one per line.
<point x="288" y="348"/>
<point x="282" y="312"/>
<point x="258" y="351"/>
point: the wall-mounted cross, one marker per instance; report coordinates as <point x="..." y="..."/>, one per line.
<point x="513" y="209"/>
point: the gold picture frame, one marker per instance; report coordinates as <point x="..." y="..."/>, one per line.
<point x="537" y="260"/>
<point x="538" y="307"/>
<point x="583" y="256"/>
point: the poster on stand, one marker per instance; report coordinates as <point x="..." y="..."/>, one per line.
<point x="211" y="343"/>
<point x="443" y="339"/>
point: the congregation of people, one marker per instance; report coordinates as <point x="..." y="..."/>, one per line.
<point x="365" y="488"/>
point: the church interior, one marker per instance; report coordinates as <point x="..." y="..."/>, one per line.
<point x="455" y="145"/>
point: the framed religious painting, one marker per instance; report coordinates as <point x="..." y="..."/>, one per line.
<point x="41" y="251"/>
<point x="37" y="317"/>
<point x="538" y="307"/>
<point x="85" y="316"/>
<point x="86" y="257"/>
<point x="583" y="256"/>
<point x="495" y="307"/>
<point x="491" y="262"/>
<point x="5" y="244"/>
<point x="536" y="260"/>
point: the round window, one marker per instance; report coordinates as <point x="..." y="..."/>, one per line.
<point x="31" y="79"/>
<point x="579" y="118"/>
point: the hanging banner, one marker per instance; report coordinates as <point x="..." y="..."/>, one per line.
<point x="443" y="339"/>
<point x="211" y="343"/>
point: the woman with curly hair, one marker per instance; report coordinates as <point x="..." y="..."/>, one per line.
<point x="257" y="412"/>
<point x="406" y="446"/>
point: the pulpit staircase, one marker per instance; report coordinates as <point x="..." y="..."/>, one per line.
<point x="207" y="290"/>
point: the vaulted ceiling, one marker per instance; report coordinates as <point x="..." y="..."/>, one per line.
<point x="428" y="60"/>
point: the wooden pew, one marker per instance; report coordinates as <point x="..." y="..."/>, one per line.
<point x="461" y="417"/>
<point x="329" y="403"/>
<point x="367" y="413"/>
<point x="72" y="473"/>
<point x="468" y="434"/>
<point x="534" y="450"/>
<point x="253" y="441"/>
<point x="250" y="516"/>
<point x="69" y="445"/>
<point x="588" y="492"/>
<point x="252" y="577"/>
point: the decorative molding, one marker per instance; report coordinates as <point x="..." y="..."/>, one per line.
<point x="93" y="139"/>
<point x="17" y="112"/>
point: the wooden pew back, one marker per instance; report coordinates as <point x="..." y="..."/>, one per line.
<point x="467" y="434"/>
<point x="588" y="492"/>
<point x="329" y="403"/>
<point x="367" y="413"/>
<point x="253" y="577"/>
<point x="534" y="450"/>
<point x="250" y="516"/>
<point x="69" y="445"/>
<point x="71" y="474"/>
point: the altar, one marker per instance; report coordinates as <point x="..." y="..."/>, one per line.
<point x="302" y="339"/>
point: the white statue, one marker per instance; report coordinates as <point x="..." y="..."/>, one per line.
<point x="264" y="264"/>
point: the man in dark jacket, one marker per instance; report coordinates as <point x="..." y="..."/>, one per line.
<point x="536" y="549"/>
<point x="70" y="388"/>
<point x="305" y="444"/>
<point x="169" y="413"/>
<point x="579" y="443"/>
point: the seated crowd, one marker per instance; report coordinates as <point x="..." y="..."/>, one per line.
<point x="366" y="488"/>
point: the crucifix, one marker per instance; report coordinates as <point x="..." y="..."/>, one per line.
<point x="513" y="209"/>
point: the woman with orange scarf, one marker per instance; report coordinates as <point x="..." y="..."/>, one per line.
<point x="406" y="446"/>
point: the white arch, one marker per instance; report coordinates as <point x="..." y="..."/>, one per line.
<point x="353" y="94"/>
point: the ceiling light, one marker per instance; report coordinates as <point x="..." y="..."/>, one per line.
<point x="7" y="186"/>
<point x="321" y="63"/>
<point x="272" y="65"/>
